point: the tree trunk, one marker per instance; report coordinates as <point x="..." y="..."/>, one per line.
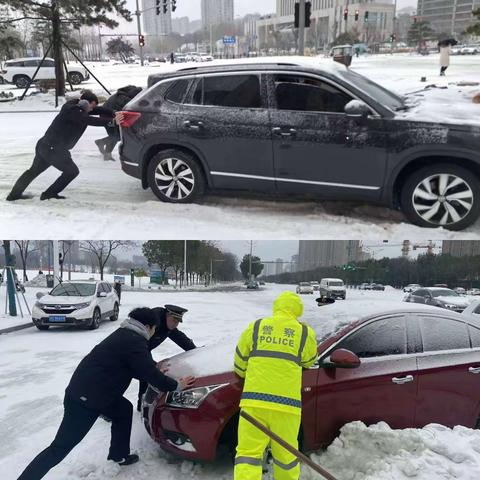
<point x="57" y="52"/>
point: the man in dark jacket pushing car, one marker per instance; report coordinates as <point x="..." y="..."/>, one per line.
<point x="97" y="387"/>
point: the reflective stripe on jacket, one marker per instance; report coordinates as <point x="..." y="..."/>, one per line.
<point x="270" y="356"/>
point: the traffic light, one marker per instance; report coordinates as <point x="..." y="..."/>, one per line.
<point x="174" y="5"/>
<point x="393" y="37"/>
<point x="308" y="14"/>
<point x="357" y="13"/>
<point x="165" y="6"/>
<point x="60" y="258"/>
<point x="345" y="14"/>
<point x="365" y="17"/>
<point x="141" y="40"/>
<point x="157" y="2"/>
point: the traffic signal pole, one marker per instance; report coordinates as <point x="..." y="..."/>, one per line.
<point x="301" y="29"/>
<point x="139" y="27"/>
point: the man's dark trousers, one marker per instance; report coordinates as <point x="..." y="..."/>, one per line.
<point x="77" y="422"/>
<point x="48" y="156"/>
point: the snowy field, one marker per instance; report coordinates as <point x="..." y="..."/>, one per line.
<point x="36" y="367"/>
<point x="103" y="202"/>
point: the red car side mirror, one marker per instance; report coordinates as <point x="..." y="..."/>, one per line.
<point x="342" y="358"/>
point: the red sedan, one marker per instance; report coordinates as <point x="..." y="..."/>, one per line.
<point x="408" y="367"/>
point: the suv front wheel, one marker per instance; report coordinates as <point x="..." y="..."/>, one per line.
<point x="442" y="196"/>
<point x="96" y="319"/>
<point x="175" y="177"/>
<point x="21" y="81"/>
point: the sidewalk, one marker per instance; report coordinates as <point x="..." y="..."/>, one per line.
<point x="15" y="328"/>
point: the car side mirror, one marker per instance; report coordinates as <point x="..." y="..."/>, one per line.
<point x="102" y="294"/>
<point x="39" y="295"/>
<point x="357" y="109"/>
<point x="342" y="358"/>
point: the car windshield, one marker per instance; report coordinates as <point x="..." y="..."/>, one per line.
<point x="305" y="284"/>
<point x="74" y="290"/>
<point x="335" y="284"/>
<point x="380" y="94"/>
<point x="444" y="293"/>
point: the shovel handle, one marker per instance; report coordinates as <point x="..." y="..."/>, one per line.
<point x="288" y="447"/>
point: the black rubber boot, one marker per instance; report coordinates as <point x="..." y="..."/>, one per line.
<point x="13" y="198"/>
<point x="45" y="196"/>
<point x="128" y="460"/>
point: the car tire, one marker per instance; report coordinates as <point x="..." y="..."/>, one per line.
<point x="21" y="81"/>
<point x="43" y="327"/>
<point x="75" y="78"/>
<point x="426" y="206"/>
<point x="114" y="317"/>
<point x="182" y="181"/>
<point x="96" y="319"/>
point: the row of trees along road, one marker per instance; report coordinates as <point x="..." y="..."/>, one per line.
<point x="426" y="270"/>
<point x="202" y="258"/>
<point x="58" y="13"/>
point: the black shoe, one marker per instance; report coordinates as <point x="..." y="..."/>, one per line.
<point x="13" y="198"/>
<point x="100" y="144"/>
<point x="128" y="460"/>
<point x="45" y="196"/>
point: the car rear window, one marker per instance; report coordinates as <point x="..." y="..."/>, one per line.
<point x="443" y="334"/>
<point x="176" y="93"/>
<point x="235" y="91"/>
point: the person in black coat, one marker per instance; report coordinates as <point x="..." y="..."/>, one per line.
<point x="53" y="149"/>
<point x="97" y="387"/>
<point x="116" y="103"/>
<point x="168" y="319"/>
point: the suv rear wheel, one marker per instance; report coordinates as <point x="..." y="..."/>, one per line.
<point x="442" y="196"/>
<point x="75" y="77"/>
<point x="21" y="81"/>
<point x="175" y="177"/>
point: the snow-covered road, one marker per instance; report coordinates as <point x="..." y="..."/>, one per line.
<point x="35" y="368"/>
<point x="104" y="202"/>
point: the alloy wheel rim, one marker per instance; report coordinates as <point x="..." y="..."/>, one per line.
<point x="22" y="82"/>
<point x="443" y="199"/>
<point x="174" y="178"/>
<point x="115" y="312"/>
<point x="96" y="318"/>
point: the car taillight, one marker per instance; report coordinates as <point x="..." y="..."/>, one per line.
<point x="129" y="118"/>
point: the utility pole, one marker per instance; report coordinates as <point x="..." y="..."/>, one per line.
<point x="250" y="262"/>
<point x="301" y="29"/>
<point x="9" y="263"/>
<point x="185" y="263"/>
<point x="56" y="263"/>
<point x="139" y="28"/>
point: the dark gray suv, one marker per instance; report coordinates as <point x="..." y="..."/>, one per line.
<point x="299" y="128"/>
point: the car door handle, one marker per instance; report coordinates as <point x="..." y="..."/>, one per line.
<point x="474" y="370"/>
<point x="193" y="125"/>
<point x="284" y="133"/>
<point x="402" y="380"/>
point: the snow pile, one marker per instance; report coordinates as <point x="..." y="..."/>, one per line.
<point x="380" y="453"/>
<point x="39" y="281"/>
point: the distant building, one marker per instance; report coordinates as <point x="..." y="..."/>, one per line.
<point x="181" y="25"/>
<point x="195" y="26"/>
<point x="461" y="248"/>
<point x="279" y="266"/>
<point x="328" y="253"/>
<point x="215" y="12"/>
<point x="153" y="24"/>
<point x="448" y="16"/>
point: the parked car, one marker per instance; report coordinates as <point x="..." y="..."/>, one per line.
<point x="460" y="290"/>
<point x="364" y="286"/>
<point x="315" y="285"/>
<point x="408" y="367"/>
<point x="332" y="288"/>
<point x="253" y="285"/>
<point x="439" y="297"/>
<point x="281" y="110"/>
<point x="411" y="287"/>
<point x="304" y="287"/>
<point x="21" y="70"/>
<point x="377" y="286"/>
<point x="470" y="50"/>
<point x="76" y="304"/>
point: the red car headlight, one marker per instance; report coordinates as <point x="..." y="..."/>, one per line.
<point x="191" y="398"/>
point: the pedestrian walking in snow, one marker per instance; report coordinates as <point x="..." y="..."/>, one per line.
<point x="118" y="290"/>
<point x="168" y="319"/>
<point x="172" y="58"/>
<point x="270" y="356"/>
<point x="97" y="387"/>
<point x="115" y="103"/>
<point x="445" y="52"/>
<point x="53" y="149"/>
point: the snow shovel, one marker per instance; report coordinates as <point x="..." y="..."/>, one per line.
<point x="289" y="448"/>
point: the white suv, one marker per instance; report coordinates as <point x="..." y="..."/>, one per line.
<point x="76" y="304"/>
<point x="21" y="70"/>
<point x="304" y="287"/>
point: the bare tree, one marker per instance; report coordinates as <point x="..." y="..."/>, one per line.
<point x="102" y="251"/>
<point x="25" y="247"/>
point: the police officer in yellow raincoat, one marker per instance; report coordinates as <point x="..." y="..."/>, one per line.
<point x="270" y="356"/>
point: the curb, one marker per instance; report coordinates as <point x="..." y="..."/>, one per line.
<point x="16" y="328"/>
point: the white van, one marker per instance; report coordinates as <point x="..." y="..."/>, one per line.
<point x="332" y="288"/>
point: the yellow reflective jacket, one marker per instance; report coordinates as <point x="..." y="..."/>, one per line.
<point x="270" y="356"/>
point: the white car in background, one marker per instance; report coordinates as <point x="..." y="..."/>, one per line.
<point x="304" y="288"/>
<point x="473" y="309"/>
<point x="470" y="50"/>
<point x="20" y="71"/>
<point x="411" y="287"/>
<point x="76" y="304"/>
